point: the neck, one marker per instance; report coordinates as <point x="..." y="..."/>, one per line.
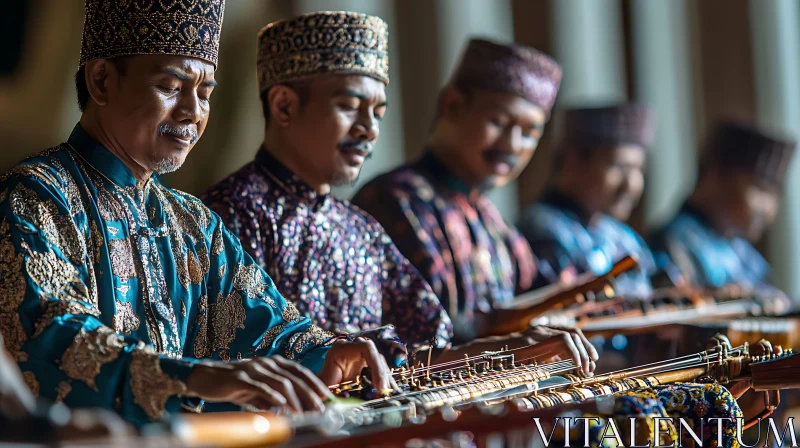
<point x="572" y="190"/>
<point x="710" y="206"/>
<point x="91" y="124"/>
<point x="286" y="152"/>
<point x="447" y="154"/>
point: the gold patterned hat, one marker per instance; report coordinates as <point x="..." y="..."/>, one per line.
<point x="323" y="43"/>
<point x="115" y="28"/>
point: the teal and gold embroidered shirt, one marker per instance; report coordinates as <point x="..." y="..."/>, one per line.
<point x="110" y="290"/>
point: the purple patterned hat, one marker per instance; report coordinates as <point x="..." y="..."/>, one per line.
<point x="609" y="125"/>
<point x="742" y="146"/>
<point x="510" y="68"/>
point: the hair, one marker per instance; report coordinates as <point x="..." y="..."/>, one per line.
<point x="466" y="89"/>
<point x="121" y="63"/>
<point x="302" y="88"/>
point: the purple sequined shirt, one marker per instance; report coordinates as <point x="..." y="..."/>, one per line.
<point x="333" y="260"/>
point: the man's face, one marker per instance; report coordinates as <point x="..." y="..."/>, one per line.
<point x="338" y="124"/>
<point x="495" y="134"/>
<point x="158" y="108"/>
<point x="751" y="206"/>
<point x="614" y="179"/>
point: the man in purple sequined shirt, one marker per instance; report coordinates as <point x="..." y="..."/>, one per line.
<point x="323" y="105"/>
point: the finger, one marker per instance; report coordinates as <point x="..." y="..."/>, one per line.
<point x="305" y="392"/>
<point x="588" y="345"/>
<point x="279" y="383"/>
<point x="259" y="392"/>
<point x="568" y="348"/>
<point x="582" y="351"/>
<point x="306" y="375"/>
<point x="381" y="375"/>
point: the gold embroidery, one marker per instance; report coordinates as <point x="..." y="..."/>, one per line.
<point x="12" y="284"/>
<point x="201" y="346"/>
<point x="97" y="241"/>
<point x="150" y="386"/>
<point x="218" y="246"/>
<point x="183" y="309"/>
<point x="195" y="271"/>
<point x="122" y="262"/>
<point x="58" y="228"/>
<point x="56" y="277"/>
<point x="227" y="315"/>
<point x="188" y="221"/>
<point x="300" y="342"/>
<point x="250" y="280"/>
<point x="32" y="382"/>
<point x="289" y="315"/>
<point x="64" y="388"/>
<point x="56" y="308"/>
<point x="32" y="170"/>
<point x="3" y="195"/>
<point x="110" y="209"/>
<point x="125" y="320"/>
<point x="89" y="352"/>
<point x="222" y="270"/>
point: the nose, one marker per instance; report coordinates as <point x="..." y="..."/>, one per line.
<point x="189" y="109"/>
<point x="366" y="127"/>
<point x="512" y="141"/>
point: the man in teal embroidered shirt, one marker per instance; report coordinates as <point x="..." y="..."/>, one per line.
<point x="114" y="286"/>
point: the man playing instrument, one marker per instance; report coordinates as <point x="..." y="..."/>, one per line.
<point x="598" y="179"/>
<point x="323" y="114"/>
<point x="123" y="294"/>
<point x="490" y="119"/>
<point x="735" y="200"/>
<point x="333" y="259"/>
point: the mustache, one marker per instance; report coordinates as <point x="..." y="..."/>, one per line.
<point x="360" y="146"/>
<point x="178" y="131"/>
<point x="496" y="155"/>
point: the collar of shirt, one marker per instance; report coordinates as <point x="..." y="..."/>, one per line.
<point x="561" y="201"/>
<point x="102" y="159"/>
<point x="441" y="175"/>
<point x="286" y="178"/>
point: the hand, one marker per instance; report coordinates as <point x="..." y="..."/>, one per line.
<point x="557" y="343"/>
<point x="259" y="382"/>
<point x="345" y="360"/>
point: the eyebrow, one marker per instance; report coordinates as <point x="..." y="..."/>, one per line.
<point x="185" y="77"/>
<point x="359" y="95"/>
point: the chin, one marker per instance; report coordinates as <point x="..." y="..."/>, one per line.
<point x="345" y="178"/>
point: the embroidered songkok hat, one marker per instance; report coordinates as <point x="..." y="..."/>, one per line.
<point x="745" y="147"/>
<point x="113" y="28"/>
<point x="511" y="68"/>
<point x="609" y="125"/>
<point x="323" y="43"/>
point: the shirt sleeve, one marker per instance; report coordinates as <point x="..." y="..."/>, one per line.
<point x="246" y="316"/>
<point x="412" y="225"/>
<point x="410" y="304"/>
<point x="51" y="322"/>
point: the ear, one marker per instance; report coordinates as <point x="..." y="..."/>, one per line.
<point x="454" y="102"/>
<point x="284" y="105"/>
<point x="97" y="75"/>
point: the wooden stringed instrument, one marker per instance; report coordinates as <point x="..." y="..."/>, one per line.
<point x="517" y="315"/>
